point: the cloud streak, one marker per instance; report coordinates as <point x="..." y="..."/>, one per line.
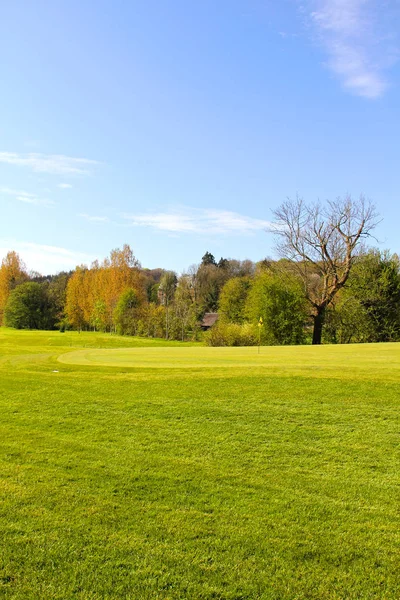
<point x="43" y="258"/>
<point x="198" y="221"/>
<point x="356" y="37"/>
<point x="26" y="197"/>
<point x="55" y="164"/>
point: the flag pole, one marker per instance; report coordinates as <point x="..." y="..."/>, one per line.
<point x="260" y="324"/>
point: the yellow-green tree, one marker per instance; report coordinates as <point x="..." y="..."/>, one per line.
<point x="76" y="299"/>
<point x="93" y="294"/>
<point x="233" y="298"/>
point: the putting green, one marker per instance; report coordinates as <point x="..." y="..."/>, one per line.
<point x="372" y="361"/>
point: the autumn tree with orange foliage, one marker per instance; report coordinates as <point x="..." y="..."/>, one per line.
<point x="12" y="273"/>
<point x="93" y="293"/>
<point x="75" y="298"/>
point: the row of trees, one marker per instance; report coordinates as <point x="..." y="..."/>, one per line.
<point x="367" y="309"/>
<point x="119" y="296"/>
<point x="325" y="286"/>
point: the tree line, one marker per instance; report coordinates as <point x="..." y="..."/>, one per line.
<point x="116" y="296"/>
<point x="325" y="287"/>
<point x="119" y="296"/>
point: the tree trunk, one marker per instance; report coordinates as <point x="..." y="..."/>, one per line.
<point x="318" y="324"/>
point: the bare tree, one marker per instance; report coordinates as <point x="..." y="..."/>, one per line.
<point x="322" y="241"/>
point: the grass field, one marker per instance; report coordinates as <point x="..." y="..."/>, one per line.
<point x="136" y="469"/>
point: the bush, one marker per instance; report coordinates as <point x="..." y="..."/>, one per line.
<point x="231" y="334"/>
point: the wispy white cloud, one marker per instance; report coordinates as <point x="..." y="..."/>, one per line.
<point x="65" y="186"/>
<point x="198" y="221"/>
<point x="57" y="164"/>
<point x="93" y="218"/>
<point x="36" y="201"/>
<point x="43" y="258"/>
<point x="26" y="197"/>
<point x="360" y="44"/>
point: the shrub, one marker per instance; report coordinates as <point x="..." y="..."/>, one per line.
<point x="231" y="334"/>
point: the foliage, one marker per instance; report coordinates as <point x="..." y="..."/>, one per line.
<point x="321" y="242"/>
<point x="279" y="301"/>
<point x="376" y="285"/>
<point x="223" y="263"/>
<point x="346" y="321"/>
<point x="208" y="259"/>
<point x="233" y="298"/>
<point x="76" y="307"/>
<point x="368" y="310"/>
<point x="118" y="295"/>
<point x="12" y="273"/>
<point x="127" y="313"/>
<point x="57" y="293"/>
<point x="99" y="319"/>
<point x="167" y="287"/>
<point x="28" y="307"/>
<point x="151" y="322"/>
<point x="92" y="294"/>
<point x="185" y="311"/>
<point x="209" y="281"/>
<point x="231" y="334"/>
<point x="166" y="293"/>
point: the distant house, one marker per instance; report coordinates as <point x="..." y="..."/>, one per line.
<point x="209" y="320"/>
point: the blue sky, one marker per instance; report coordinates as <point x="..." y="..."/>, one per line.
<point x="178" y="126"/>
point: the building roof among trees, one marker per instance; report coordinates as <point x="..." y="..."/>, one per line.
<point x="209" y="319"/>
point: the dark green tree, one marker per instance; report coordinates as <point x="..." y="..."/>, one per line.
<point x="208" y="259"/>
<point x="368" y="309"/>
<point x="209" y="281"/>
<point x="28" y="307"/>
<point x="377" y="286"/>
<point x="57" y="294"/>
<point x="223" y="263"/>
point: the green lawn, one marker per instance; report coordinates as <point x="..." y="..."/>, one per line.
<point x="136" y="469"/>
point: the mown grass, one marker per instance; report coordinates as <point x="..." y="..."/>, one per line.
<point x="277" y="480"/>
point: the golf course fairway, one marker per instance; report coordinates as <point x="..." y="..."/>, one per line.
<point x="369" y="360"/>
<point x="140" y="469"/>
